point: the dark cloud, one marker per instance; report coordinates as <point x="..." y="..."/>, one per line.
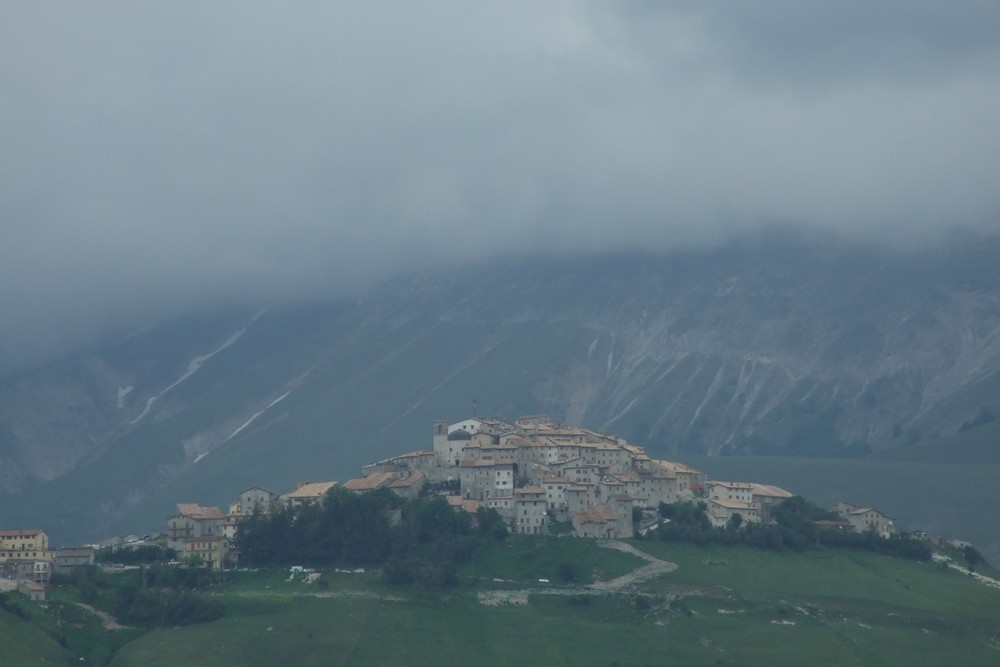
<point x="159" y="154"/>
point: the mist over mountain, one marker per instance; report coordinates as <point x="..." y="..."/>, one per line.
<point x="778" y="346"/>
<point x="246" y="243"/>
<point x="160" y="158"/>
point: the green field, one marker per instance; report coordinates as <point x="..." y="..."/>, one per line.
<point x="722" y="605"/>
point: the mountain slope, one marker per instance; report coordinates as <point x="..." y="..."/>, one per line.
<point x="777" y="346"/>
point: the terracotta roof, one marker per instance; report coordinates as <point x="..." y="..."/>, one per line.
<point x="257" y="488"/>
<point x="770" y="491"/>
<point x="731" y="504"/>
<point x="458" y="502"/>
<point x="408" y="481"/>
<point x="310" y="490"/>
<point x="863" y="510"/>
<point x="75" y="553"/>
<point x="730" y="485"/>
<point x="373" y="481"/>
<point x="196" y="511"/>
<point x="595" y="514"/>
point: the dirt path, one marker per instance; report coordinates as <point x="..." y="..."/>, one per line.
<point x="653" y="568"/>
<point x="981" y="578"/>
<point x="314" y="594"/>
<point x="109" y="622"/>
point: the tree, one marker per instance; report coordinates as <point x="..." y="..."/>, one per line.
<point x="972" y="556"/>
<point x="568" y="571"/>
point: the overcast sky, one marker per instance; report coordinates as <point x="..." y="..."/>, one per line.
<point x="156" y="153"/>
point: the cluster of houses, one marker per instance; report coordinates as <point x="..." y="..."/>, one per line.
<point x="533" y="472"/>
<point x="205" y="534"/>
<point x="27" y="562"/>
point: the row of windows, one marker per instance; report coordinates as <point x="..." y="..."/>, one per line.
<point x="22" y="547"/>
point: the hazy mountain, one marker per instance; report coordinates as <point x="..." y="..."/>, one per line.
<point x="775" y="346"/>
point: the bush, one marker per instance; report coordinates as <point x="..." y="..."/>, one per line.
<point x="12" y="606"/>
<point x="568" y="572"/>
<point x="164" y="608"/>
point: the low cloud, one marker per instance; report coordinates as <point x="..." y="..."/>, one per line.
<point x="161" y="154"/>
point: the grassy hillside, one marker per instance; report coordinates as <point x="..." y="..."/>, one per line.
<point x="22" y="643"/>
<point x="723" y="605"/>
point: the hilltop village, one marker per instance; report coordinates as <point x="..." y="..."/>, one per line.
<point x="534" y="472"/>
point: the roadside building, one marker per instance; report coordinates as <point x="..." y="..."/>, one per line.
<point x="608" y="521"/>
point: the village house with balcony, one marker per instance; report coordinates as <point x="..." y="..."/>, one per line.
<point x="192" y="520"/>
<point x="209" y="551"/>
<point x="31" y="544"/>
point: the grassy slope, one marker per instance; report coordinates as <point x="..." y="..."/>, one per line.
<point x="823" y="608"/>
<point x="23" y="643"/>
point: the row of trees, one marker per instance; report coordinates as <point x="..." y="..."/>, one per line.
<point x="420" y="541"/>
<point x="794" y="528"/>
<point x="143" y="554"/>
